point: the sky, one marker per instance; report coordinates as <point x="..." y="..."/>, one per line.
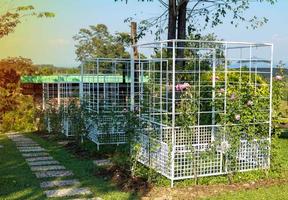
<point x="49" y="41"/>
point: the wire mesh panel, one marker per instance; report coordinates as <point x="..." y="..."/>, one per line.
<point x="106" y="94"/>
<point x="58" y="95"/>
<point x="50" y="101"/>
<point x="69" y="96"/>
<point x="208" y="104"/>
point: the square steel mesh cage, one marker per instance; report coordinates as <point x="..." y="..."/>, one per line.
<point x="57" y="96"/>
<point x="106" y="95"/>
<point x="207" y="103"/>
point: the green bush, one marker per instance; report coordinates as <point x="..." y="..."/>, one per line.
<point x="22" y="117"/>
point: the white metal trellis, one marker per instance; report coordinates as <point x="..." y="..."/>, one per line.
<point x="57" y="94"/>
<point x="182" y="90"/>
<point x="106" y="84"/>
<point x="205" y="77"/>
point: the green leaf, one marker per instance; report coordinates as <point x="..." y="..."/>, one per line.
<point x="46" y="14"/>
<point x="25" y="8"/>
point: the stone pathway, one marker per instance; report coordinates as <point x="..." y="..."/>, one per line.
<point x="45" y="167"/>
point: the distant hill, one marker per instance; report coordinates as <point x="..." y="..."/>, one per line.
<point x="53" y="70"/>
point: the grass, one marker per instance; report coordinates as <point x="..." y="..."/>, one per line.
<point x="272" y="192"/>
<point x="16" y="179"/>
<point x="18" y="182"/>
<point x="279" y="192"/>
<point x="83" y="170"/>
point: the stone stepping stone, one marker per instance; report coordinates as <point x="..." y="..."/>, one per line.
<point x="22" y="140"/>
<point x="47" y="168"/>
<point x="36" y="154"/>
<point x="49" y="174"/>
<point x="103" y="162"/>
<point x="37" y="149"/>
<point x="50" y="184"/>
<point x="63" y="143"/>
<point x="67" y="192"/>
<point x="43" y="162"/>
<point x="25" y="142"/>
<point x="45" y="158"/>
<point x="27" y="145"/>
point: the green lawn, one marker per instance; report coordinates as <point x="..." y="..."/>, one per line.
<point x="16" y="179"/>
<point x="278" y="192"/>
<point x="18" y="182"/>
<point x="271" y="193"/>
<point x="83" y="170"/>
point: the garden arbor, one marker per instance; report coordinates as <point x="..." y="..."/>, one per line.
<point x="210" y="116"/>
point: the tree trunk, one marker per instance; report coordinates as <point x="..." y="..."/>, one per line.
<point x="172" y="19"/>
<point x="181" y="33"/>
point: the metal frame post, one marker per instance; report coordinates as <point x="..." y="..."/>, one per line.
<point x="173" y="111"/>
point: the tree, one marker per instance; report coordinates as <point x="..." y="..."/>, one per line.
<point x="96" y="41"/>
<point x="22" y="66"/>
<point x="196" y="15"/>
<point x="10" y="19"/>
<point x="16" y="110"/>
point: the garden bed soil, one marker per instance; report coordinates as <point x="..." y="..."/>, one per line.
<point x="122" y="178"/>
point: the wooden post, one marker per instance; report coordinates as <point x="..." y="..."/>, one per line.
<point x="134" y="39"/>
<point x="134" y="64"/>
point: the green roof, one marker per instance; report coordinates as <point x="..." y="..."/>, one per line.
<point x="74" y="79"/>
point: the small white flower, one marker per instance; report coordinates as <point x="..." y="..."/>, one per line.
<point x="237" y="117"/>
<point x="225" y="146"/>
<point x="250" y="103"/>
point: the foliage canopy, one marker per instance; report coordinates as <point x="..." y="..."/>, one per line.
<point x="97" y="41"/>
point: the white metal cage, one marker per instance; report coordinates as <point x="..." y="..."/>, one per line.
<point x="203" y="100"/>
<point x="58" y="93"/>
<point x="106" y="95"/>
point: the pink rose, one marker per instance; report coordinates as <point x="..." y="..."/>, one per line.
<point x="233" y="96"/>
<point x="278" y="78"/>
<point x="237" y="117"/>
<point x="222" y="90"/>
<point x="181" y="87"/>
